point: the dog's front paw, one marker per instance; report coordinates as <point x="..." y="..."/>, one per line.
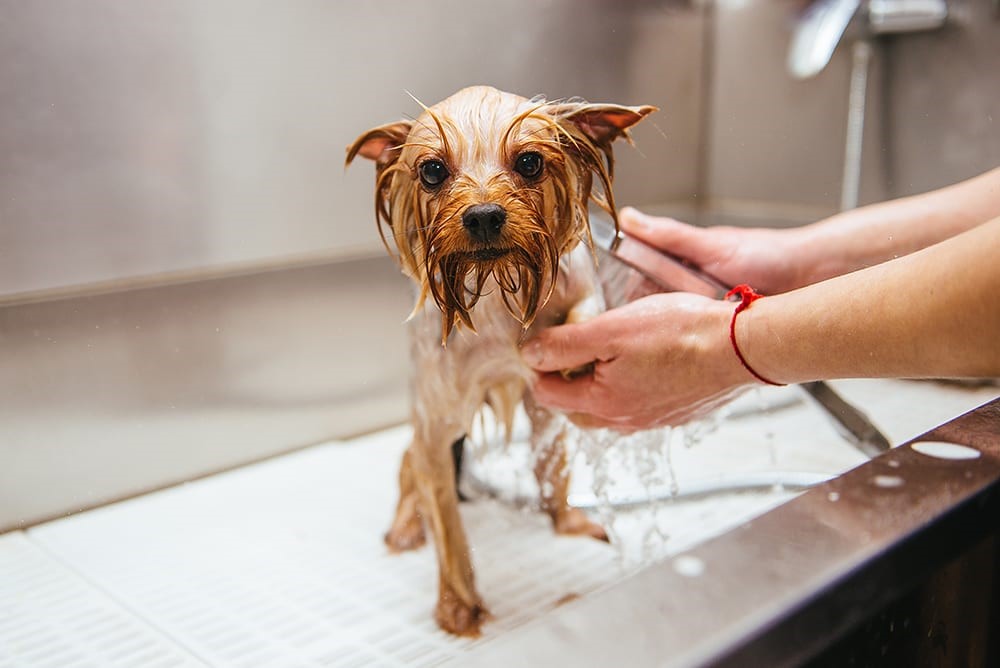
<point x="458" y="617"/>
<point x="574" y="522"/>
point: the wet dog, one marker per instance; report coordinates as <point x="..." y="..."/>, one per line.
<point x="485" y="198"/>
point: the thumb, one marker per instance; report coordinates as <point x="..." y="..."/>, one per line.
<point x="667" y="234"/>
<point x="559" y="348"/>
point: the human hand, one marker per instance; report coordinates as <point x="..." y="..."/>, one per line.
<point x="762" y="257"/>
<point x="661" y="360"/>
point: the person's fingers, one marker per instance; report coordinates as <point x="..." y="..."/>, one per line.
<point x="572" y="395"/>
<point x="666" y="234"/>
<point x="565" y="347"/>
<point x="591" y="421"/>
<point x="579" y="398"/>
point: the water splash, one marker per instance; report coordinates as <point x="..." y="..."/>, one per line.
<point x="629" y="477"/>
<point x="632" y="480"/>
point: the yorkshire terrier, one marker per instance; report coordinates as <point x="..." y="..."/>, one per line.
<point x="485" y="196"/>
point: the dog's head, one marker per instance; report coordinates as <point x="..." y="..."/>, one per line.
<point x="487" y="184"/>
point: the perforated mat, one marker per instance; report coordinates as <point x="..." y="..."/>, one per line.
<point x="282" y="563"/>
<point x="279" y="564"/>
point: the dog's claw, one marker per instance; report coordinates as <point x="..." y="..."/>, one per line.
<point x="458" y="617"/>
<point x="574" y="522"/>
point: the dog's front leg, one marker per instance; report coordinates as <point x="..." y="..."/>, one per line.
<point x="459" y="608"/>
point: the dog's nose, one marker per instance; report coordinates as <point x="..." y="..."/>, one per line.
<point x="484" y="221"/>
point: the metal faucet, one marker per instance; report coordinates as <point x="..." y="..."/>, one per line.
<point x="824" y="23"/>
<point x="817" y="34"/>
<point x="823" y="26"/>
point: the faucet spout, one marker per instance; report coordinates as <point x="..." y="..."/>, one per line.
<point x="819" y="30"/>
<point x="823" y="24"/>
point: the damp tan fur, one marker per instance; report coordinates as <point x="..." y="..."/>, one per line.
<point x="496" y="250"/>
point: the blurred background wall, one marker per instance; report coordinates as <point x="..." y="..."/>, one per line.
<point x="190" y="280"/>
<point x="775" y="144"/>
<point x="144" y="138"/>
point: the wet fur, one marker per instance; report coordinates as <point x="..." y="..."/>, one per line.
<point x="485" y="300"/>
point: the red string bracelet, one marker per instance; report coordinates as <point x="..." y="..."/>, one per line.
<point x="747" y="296"/>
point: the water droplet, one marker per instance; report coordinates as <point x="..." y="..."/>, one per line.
<point x="689" y="566"/>
<point x="944" y="450"/>
<point x="887" y="481"/>
<point x="671" y="473"/>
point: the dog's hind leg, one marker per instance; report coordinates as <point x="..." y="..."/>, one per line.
<point x="407" y="530"/>
<point x="457" y="457"/>
<point x="553" y="479"/>
<point x="548" y="441"/>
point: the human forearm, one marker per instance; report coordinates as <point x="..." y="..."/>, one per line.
<point x="880" y="232"/>
<point x="933" y="313"/>
<point x="667" y="358"/>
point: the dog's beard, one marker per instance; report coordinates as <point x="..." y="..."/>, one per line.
<point x="524" y="273"/>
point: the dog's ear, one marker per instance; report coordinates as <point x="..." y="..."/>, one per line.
<point x="590" y="130"/>
<point x="602" y="123"/>
<point x="381" y="144"/>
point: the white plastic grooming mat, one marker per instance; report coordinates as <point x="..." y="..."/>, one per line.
<point x="282" y="563"/>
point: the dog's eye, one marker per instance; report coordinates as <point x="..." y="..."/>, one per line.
<point x="529" y="165"/>
<point x="433" y="173"/>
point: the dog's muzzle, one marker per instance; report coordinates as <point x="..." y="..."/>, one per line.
<point x="484" y="222"/>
